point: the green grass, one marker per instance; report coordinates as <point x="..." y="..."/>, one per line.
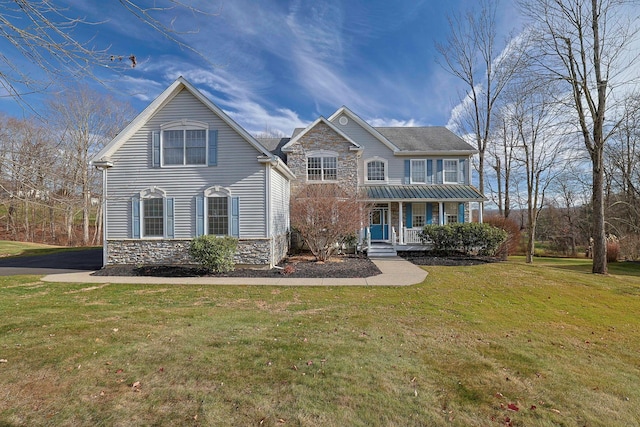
<point x="12" y="248"/>
<point x="556" y="342"/>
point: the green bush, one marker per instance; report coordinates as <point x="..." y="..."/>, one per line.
<point x="214" y="253"/>
<point x="467" y="238"/>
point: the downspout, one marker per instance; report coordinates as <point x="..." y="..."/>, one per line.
<point x="104" y="218"/>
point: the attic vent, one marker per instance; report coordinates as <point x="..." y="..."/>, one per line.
<point x="343" y="121"/>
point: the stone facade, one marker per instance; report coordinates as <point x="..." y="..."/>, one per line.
<point x="323" y="138"/>
<point x="251" y="252"/>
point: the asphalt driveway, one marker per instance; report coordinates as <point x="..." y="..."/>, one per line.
<point x="61" y="262"/>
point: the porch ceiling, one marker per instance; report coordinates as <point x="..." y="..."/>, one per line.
<point x="467" y="193"/>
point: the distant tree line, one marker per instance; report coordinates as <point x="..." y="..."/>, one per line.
<point x="553" y="112"/>
<point x="48" y="191"/>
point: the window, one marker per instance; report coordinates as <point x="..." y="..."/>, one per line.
<point x="217" y="212"/>
<point x="152" y="214"/>
<point x="153" y="217"/>
<point x="419" y="215"/>
<point x="218" y="215"/>
<point x="450" y="171"/>
<point x="376" y="170"/>
<point x="322" y="168"/>
<point x="184" y="147"/>
<point x="418" y="172"/>
<point x="184" y="143"/>
<point x="451" y="213"/>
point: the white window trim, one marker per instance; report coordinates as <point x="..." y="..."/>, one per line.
<point x="386" y="170"/>
<point x="414" y="214"/>
<point x="424" y="162"/>
<point x="184" y="125"/>
<point x="153" y="192"/>
<point x="323" y="154"/>
<point x="217" y="191"/>
<point x="444" y="171"/>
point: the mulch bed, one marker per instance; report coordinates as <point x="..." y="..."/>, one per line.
<point x="298" y="266"/>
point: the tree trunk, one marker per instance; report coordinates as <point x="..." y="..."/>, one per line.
<point x="599" y="235"/>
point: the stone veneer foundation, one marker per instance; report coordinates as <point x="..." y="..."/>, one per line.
<point x="250" y="252"/>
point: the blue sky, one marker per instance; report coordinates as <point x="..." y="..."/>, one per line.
<point x="279" y="64"/>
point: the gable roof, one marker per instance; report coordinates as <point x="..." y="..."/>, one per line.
<point x="287" y="147"/>
<point x="366" y="126"/>
<point x="426" y="139"/>
<point x="104" y="156"/>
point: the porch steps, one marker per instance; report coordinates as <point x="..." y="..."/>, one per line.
<point x="381" y="250"/>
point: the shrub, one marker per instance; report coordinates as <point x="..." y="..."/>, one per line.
<point x="214" y="253"/>
<point x="514" y="239"/>
<point x="326" y="216"/>
<point x="466" y="238"/>
<point x="613" y="248"/>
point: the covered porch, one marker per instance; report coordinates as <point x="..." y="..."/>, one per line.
<point x="399" y="212"/>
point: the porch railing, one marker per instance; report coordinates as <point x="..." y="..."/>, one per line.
<point x="412" y="236"/>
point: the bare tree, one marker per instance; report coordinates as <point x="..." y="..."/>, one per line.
<point x="584" y="44"/>
<point x="471" y="54"/>
<point x="533" y="115"/>
<point x="325" y="215"/>
<point x="46" y="34"/>
<point x="84" y="121"/>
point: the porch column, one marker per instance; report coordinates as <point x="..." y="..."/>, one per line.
<point x="400" y="225"/>
<point x="441" y="213"/>
<point x="480" y="209"/>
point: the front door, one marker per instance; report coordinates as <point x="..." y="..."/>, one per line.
<point x="379" y="221"/>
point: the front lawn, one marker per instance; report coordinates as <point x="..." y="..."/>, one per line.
<point x="492" y="344"/>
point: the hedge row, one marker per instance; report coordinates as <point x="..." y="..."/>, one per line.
<point x="468" y="238"/>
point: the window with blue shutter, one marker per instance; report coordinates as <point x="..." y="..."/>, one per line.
<point x="429" y="171"/>
<point x="155" y="149"/>
<point x="409" y="215"/>
<point x="407" y="171"/>
<point x="152" y="214"/>
<point x="439" y="171"/>
<point x="461" y="212"/>
<point x="463" y="171"/>
<point x="429" y="213"/>
<point x="235" y="216"/>
<point x="199" y="216"/>
<point x="213" y="148"/>
<point x="135" y="217"/>
<point x="170" y="229"/>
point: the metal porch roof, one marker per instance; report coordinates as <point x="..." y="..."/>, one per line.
<point x="424" y="192"/>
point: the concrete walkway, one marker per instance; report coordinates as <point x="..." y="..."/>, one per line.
<point x="396" y="271"/>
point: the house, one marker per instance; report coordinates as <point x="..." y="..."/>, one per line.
<point x="183" y="168"/>
<point x="412" y="175"/>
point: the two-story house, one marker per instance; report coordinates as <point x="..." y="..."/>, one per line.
<point x="412" y="175"/>
<point x="183" y="168"/>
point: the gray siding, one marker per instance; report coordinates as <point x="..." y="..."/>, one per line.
<point x="238" y="170"/>
<point x="279" y="203"/>
<point x="374" y="148"/>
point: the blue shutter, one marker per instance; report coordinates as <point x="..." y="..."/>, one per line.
<point x="460" y="212"/>
<point x="213" y="148"/>
<point x="429" y="171"/>
<point x="429" y="213"/>
<point x="462" y="175"/>
<point x="155" y="149"/>
<point x="170" y="217"/>
<point x="235" y="216"/>
<point x="199" y="216"/>
<point x="409" y="215"/>
<point x="407" y="171"/>
<point x="135" y="217"/>
<point x="439" y="176"/>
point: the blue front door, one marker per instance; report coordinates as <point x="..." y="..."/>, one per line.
<point x="379" y="223"/>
